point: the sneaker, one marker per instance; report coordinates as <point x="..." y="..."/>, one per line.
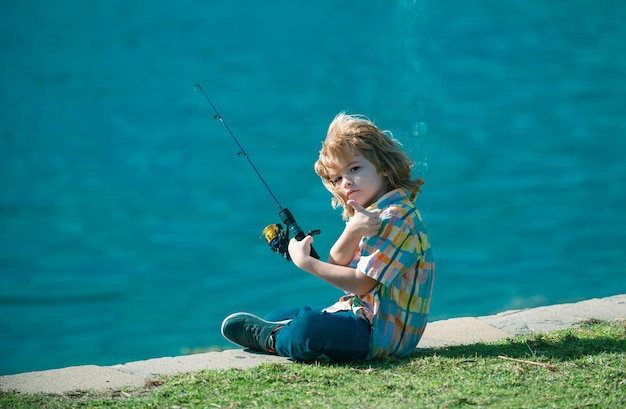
<point x="250" y="331"/>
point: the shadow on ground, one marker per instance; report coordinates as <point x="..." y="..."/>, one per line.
<point x="567" y="345"/>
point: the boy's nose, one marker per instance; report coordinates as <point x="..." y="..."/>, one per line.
<point x="346" y="182"/>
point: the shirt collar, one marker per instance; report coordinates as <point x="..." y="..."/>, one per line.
<point x="394" y="196"/>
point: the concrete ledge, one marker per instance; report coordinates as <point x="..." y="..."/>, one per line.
<point x="73" y="378"/>
<point x="455" y="331"/>
<point x="560" y="316"/>
<point x="230" y="358"/>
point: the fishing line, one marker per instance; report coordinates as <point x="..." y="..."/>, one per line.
<point x="277" y="237"/>
<point x="241" y="149"/>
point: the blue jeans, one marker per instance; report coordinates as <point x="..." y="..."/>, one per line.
<point x="314" y="335"/>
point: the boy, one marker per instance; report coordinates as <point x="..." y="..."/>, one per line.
<point x="382" y="259"/>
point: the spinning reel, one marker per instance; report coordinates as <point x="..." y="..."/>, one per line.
<point x="278" y="237"/>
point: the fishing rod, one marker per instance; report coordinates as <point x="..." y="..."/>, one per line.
<point x="277" y="237"/>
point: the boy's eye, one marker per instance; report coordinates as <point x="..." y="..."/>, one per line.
<point x="354" y="169"/>
<point x="336" y="180"/>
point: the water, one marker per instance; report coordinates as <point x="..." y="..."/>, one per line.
<point x="129" y="227"/>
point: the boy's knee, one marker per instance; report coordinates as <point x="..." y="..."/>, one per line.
<point x="301" y="339"/>
<point x="306" y="325"/>
<point x="317" y="335"/>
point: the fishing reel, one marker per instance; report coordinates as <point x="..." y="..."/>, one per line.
<point x="278" y="237"/>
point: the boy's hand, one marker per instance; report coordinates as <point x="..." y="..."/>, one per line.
<point x="364" y="223"/>
<point x="300" y="250"/>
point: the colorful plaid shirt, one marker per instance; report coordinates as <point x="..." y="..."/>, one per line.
<point x="401" y="260"/>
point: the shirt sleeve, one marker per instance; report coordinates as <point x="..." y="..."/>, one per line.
<point x="387" y="255"/>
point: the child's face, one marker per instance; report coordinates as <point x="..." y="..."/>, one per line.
<point x="357" y="179"/>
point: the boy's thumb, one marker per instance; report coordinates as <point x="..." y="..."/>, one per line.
<point x="357" y="207"/>
<point x="360" y="209"/>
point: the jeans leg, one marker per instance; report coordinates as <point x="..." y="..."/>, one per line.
<point x="316" y="335"/>
<point x="281" y="314"/>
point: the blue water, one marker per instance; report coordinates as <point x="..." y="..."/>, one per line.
<point x="129" y="226"/>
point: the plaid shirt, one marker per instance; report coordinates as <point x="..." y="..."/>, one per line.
<point x="401" y="260"/>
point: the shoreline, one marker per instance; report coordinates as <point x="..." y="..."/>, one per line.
<point x="450" y="332"/>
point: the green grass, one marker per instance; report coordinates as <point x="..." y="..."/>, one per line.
<point x="584" y="367"/>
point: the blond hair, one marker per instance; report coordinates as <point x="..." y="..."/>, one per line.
<point x="351" y="135"/>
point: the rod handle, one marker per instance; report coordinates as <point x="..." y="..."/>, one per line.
<point x="293" y="228"/>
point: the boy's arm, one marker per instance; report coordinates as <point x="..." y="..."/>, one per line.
<point x="362" y="224"/>
<point x="342" y="251"/>
<point x="345" y="278"/>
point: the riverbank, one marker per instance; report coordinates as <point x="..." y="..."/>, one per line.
<point x="456" y="331"/>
